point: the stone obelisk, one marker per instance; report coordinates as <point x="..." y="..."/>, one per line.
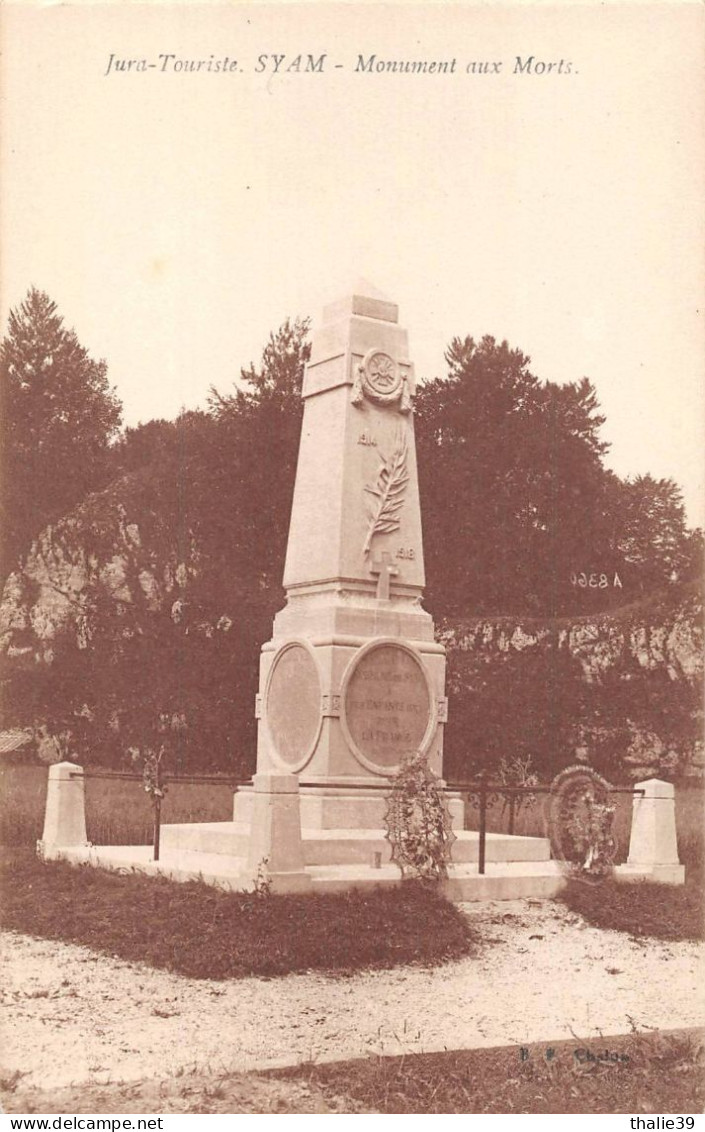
<point x="352" y="682"/>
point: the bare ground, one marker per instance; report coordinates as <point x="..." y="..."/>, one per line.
<point x="83" y="1032"/>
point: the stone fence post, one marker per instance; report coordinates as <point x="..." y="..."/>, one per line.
<point x="653" y="849"/>
<point x="275" y="838"/>
<point x="65" y="815"/>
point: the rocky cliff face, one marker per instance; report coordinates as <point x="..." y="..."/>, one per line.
<point x="663" y="635"/>
<point x="112" y="548"/>
<point x="623" y="688"/>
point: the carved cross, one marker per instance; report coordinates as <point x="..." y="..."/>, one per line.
<point x="385" y="568"/>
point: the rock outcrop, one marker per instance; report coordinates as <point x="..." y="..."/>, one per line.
<point x="626" y="686"/>
<point x="664" y="634"/>
<point x="113" y="547"/>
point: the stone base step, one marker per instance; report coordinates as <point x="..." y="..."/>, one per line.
<point x="347" y="846"/>
<point x="507" y="880"/>
<point x="228" y="838"/>
<point x="502" y="880"/>
<point x="212" y="868"/>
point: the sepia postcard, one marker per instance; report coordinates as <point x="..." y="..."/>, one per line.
<point x="353" y="494"/>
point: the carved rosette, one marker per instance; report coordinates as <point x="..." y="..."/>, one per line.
<point x="381" y="380"/>
<point x="330" y="705"/>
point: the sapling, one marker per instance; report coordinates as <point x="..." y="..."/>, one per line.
<point x="155" y="787"/>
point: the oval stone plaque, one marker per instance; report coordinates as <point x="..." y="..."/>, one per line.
<point x="387" y="705"/>
<point x="293" y="705"/>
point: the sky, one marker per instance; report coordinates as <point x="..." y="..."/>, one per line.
<point x="177" y="217"/>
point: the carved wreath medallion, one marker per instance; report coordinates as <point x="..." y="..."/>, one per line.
<point x="381" y="380"/>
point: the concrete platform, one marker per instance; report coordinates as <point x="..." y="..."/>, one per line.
<point x="502" y="880"/>
<point x="346" y="846"/>
<point x="212" y="868"/>
<point x="227" y="838"/>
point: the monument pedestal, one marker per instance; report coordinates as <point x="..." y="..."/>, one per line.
<point x="343" y="712"/>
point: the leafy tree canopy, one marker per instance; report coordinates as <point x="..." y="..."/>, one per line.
<point x="652" y="535"/>
<point x="58" y="417"/>
<point x="259" y="428"/>
<point x="210" y="495"/>
<point x="520" y="515"/>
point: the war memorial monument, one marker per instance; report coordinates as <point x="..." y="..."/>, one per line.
<point x="352" y="682"/>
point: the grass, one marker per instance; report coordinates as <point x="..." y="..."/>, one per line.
<point x="200" y="1092"/>
<point x="641" y="909"/>
<point x="647" y="910"/>
<point x="662" y="1073"/>
<point x="200" y="931"/>
<point x="118" y="811"/>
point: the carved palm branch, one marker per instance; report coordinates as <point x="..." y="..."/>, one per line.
<point x="388" y="491"/>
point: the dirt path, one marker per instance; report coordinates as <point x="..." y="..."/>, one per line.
<point x="71" y="1016"/>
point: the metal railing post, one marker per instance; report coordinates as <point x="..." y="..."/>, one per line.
<point x="483" y="828"/>
<point x="512" y="806"/>
<point x="157" y="826"/>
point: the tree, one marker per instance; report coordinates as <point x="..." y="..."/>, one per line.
<point x="143" y="445"/>
<point x="259" y="428"/>
<point x="511" y="482"/>
<point x="515" y="501"/>
<point x="525" y="705"/>
<point x="652" y="535"/>
<point x="166" y="655"/>
<point x="59" y="415"/>
<point x="520" y="514"/>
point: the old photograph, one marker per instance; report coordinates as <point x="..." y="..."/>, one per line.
<point x="352" y="497"/>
